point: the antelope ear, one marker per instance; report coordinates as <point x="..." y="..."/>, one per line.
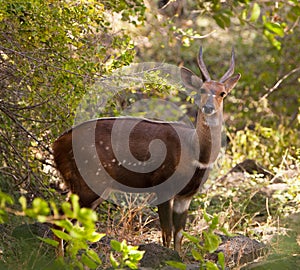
<point x="231" y="82"/>
<point x="190" y="79"/>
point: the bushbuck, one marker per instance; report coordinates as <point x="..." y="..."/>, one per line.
<point x="88" y="155"/>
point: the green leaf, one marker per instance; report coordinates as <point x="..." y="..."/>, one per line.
<point x="192" y="238"/>
<point x="214" y="222"/>
<point x="23" y="202"/>
<point x="5" y="198"/>
<point x="124" y="246"/>
<point x="78" y="232"/>
<point x="113" y="261"/>
<point x="65" y="224"/>
<point x="219" y="21"/>
<point x="3" y="216"/>
<point x="116" y="245"/>
<point x="54" y="209"/>
<point x="41" y="219"/>
<point x="66" y="207"/>
<point x="222" y="19"/>
<point x="136" y="255"/>
<point x="296" y="10"/>
<point x="95" y="237"/>
<point x="206" y="217"/>
<point x="88" y="262"/>
<point x="221" y="260"/>
<point x="49" y="241"/>
<point x="197" y="256"/>
<point x="255" y="12"/>
<point x="75" y="204"/>
<point x="275" y="28"/>
<point x="62" y="235"/>
<point x="211" y="266"/>
<point x="40" y="206"/>
<point x="86" y="216"/>
<point x="211" y="241"/>
<point x="272" y="39"/>
<point x="178" y="265"/>
<point x="93" y="255"/>
<point x="131" y="264"/>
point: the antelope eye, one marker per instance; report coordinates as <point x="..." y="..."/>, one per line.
<point x="223" y="94"/>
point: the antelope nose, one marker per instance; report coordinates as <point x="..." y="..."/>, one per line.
<point x="208" y="109"/>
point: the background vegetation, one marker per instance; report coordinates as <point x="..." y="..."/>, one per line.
<point x="51" y="52"/>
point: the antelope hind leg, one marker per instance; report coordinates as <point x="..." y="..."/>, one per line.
<point x="165" y="217"/>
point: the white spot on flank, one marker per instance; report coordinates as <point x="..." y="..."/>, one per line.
<point x="106" y="148"/>
<point x="124" y="161"/>
<point x="94" y="156"/>
<point x="82" y="148"/>
<point x="113" y="160"/>
<point x="86" y="161"/>
<point x="97" y="173"/>
<point x="101" y="142"/>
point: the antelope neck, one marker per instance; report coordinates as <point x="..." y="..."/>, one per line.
<point x="209" y="130"/>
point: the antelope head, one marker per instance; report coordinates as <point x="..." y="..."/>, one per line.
<point x="212" y="93"/>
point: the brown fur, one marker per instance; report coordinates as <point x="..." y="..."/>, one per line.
<point x="207" y="135"/>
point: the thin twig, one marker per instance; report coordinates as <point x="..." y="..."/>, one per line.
<point x="276" y="85"/>
<point x="48" y="64"/>
<point x="25" y="130"/>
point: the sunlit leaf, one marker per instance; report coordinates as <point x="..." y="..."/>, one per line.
<point x="64" y="223"/>
<point x="62" y="235"/>
<point x="131" y="264"/>
<point x="211" y="266"/>
<point x="255" y="12"/>
<point x="136" y="255"/>
<point x="95" y="237"/>
<point x="275" y="28"/>
<point x="113" y="261"/>
<point x="40" y="206"/>
<point x="23" y="202"/>
<point x="66" y="207"/>
<point x="75" y="204"/>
